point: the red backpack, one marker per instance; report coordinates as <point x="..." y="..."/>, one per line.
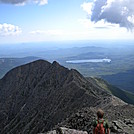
<point x="100" y="128"/>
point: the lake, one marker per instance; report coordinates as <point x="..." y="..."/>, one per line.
<point x="89" y="60"/>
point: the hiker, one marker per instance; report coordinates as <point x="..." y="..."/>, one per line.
<point x="100" y="125"/>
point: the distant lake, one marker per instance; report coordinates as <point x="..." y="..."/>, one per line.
<point x="89" y="60"/>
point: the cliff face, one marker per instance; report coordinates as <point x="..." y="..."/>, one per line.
<point x="37" y="96"/>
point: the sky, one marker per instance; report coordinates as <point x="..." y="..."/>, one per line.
<point x="62" y="20"/>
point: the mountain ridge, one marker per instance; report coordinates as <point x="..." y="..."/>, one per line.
<point x="37" y="96"/>
<point x="30" y="88"/>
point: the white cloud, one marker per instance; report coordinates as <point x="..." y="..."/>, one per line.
<point x="20" y="4"/>
<point x="87" y="7"/>
<point x="41" y="2"/>
<point x="119" y="12"/>
<point x="8" y="29"/>
<point x="23" y="2"/>
<point x="47" y="32"/>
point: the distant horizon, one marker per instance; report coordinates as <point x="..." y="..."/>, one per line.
<point x="69" y="41"/>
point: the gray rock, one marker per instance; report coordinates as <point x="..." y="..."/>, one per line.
<point x="121" y="127"/>
<point x="64" y="130"/>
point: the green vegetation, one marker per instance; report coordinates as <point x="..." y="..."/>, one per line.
<point x="122" y="94"/>
<point x="121" y="60"/>
<point x="124" y="80"/>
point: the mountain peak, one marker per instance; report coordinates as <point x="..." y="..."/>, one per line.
<point x="39" y="95"/>
<point x="55" y="63"/>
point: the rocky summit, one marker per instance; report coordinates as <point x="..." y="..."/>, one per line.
<point x="40" y="96"/>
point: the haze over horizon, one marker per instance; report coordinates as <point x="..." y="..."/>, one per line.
<point x="25" y="21"/>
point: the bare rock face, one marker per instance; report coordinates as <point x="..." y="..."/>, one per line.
<point x="39" y="96"/>
<point x="36" y="96"/>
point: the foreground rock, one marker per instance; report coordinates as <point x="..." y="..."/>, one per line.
<point x="120" y="119"/>
<point x="63" y="130"/>
<point x="126" y="126"/>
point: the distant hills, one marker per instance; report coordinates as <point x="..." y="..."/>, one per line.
<point x="39" y="96"/>
<point x="118" y="72"/>
<point x="7" y="64"/>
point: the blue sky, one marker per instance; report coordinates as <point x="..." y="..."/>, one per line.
<point x="58" y="20"/>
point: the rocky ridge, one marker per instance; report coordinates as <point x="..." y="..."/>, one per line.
<point x="40" y="96"/>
